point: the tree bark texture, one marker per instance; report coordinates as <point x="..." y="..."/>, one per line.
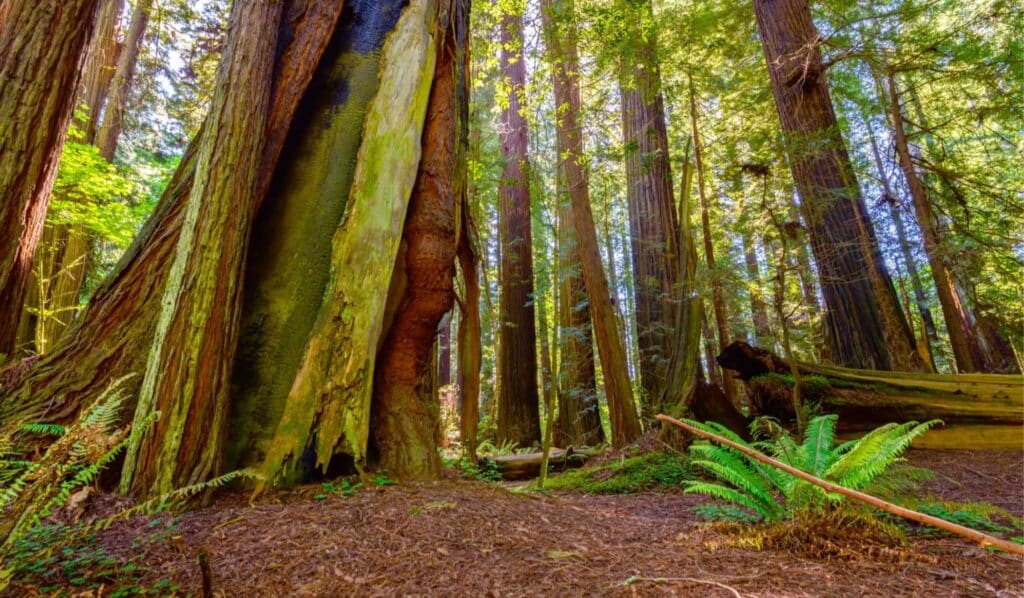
<point x="560" y="33"/>
<point x="518" y="408"/>
<point x="187" y="375"/>
<point x="864" y="325"/>
<point x="653" y="224"/>
<point x="121" y="85"/>
<point x="111" y="338"/>
<point x="405" y="411"/>
<point x="327" y="409"/>
<point x="42" y="48"/>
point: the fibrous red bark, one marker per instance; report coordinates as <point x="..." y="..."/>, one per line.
<point x="518" y="400"/>
<point x="864" y="325"/>
<point x="42" y="48"/>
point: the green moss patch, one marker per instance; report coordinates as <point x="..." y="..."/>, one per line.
<point x="645" y="472"/>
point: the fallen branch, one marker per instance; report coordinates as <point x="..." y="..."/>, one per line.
<point x="971" y="534"/>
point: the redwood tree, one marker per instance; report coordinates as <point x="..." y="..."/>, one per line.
<point x="42" y="48"/>
<point x="864" y="325"/>
<point x="518" y="408"/>
<point x="580" y="422"/>
<point x="653" y="223"/>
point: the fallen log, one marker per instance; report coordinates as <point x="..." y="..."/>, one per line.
<point x="526" y="466"/>
<point x="980" y="411"/>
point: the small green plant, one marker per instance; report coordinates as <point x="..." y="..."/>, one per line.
<point x="382" y="479"/>
<point x="343" y="488"/>
<point x="483" y="470"/>
<point x="774" y="495"/>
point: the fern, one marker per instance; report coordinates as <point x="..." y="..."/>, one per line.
<point x="774" y="494"/>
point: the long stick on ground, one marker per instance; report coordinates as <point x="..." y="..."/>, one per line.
<point x="888" y="507"/>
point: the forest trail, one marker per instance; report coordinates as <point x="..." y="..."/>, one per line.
<point x="476" y="539"/>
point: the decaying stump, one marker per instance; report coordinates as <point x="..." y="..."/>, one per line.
<point x="980" y="411"/>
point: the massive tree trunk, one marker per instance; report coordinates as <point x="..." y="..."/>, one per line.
<point x="865" y="326"/>
<point x="518" y="409"/>
<point x="327" y="409"/>
<point x="42" y="49"/>
<point x="717" y="299"/>
<point x="111" y="339"/>
<point x="405" y="411"/>
<point x="653" y="224"/>
<point x="187" y="375"/>
<point x="979" y="411"/>
<point x="560" y="33"/>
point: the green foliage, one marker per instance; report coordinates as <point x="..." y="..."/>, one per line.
<point x="56" y="555"/>
<point x="90" y="191"/>
<point x="484" y="470"/>
<point x="640" y="473"/>
<point x="981" y="516"/>
<point x="774" y="495"/>
<point x="342" y="488"/>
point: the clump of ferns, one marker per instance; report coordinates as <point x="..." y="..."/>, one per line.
<point x="31" y="490"/>
<point x="776" y="497"/>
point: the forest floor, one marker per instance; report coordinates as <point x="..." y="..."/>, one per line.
<point x="467" y="538"/>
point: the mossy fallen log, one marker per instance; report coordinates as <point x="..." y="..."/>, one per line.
<point x="980" y="411"/>
<point x="527" y="465"/>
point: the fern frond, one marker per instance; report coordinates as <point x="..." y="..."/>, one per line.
<point x="860" y="466"/>
<point x="819" y="438"/>
<point x="43" y="429"/>
<point x="731" y="495"/>
<point x="728" y="469"/>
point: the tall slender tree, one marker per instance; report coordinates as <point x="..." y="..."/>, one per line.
<point x="717" y="298"/>
<point x="560" y="34"/>
<point x="864" y="324"/>
<point x="518" y="408"/>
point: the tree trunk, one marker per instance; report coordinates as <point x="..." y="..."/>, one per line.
<point x="444" y="351"/>
<point x="762" y="332"/>
<point x="625" y="424"/>
<point x="404" y="412"/>
<point x="653" y="224"/>
<point x="518" y="409"/>
<point x="962" y="337"/>
<point x="469" y="341"/>
<point x="188" y="370"/>
<point x="864" y="324"/>
<point x="979" y="411"/>
<point x="328" y="406"/>
<point x="289" y="262"/>
<point x="42" y="48"/>
<point x="717" y="299"/>
<point x="111" y="339"/>
<point x="100" y="64"/>
<point x="930" y="333"/>
<point x="120" y="87"/>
